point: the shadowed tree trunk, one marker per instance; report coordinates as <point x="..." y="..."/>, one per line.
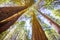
<point x="53" y="23"/>
<point x="15" y="14"/>
<point x="8" y="15"/>
<point x="37" y="31"/>
<point x="6" y="12"/>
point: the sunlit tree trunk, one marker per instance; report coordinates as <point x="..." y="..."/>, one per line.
<point x="37" y="31"/>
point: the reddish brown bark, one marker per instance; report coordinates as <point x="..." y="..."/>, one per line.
<point x="10" y="20"/>
<point x="37" y="31"/>
<point x="6" y="12"/>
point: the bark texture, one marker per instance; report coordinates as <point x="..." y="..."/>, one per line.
<point x="11" y="20"/>
<point x="37" y="31"/>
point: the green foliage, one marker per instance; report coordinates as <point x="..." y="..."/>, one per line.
<point x="2" y="35"/>
<point x="56" y="13"/>
<point x="17" y="2"/>
<point x="52" y="35"/>
<point x="22" y="23"/>
<point x="2" y="1"/>
<point x="48" y="2"/>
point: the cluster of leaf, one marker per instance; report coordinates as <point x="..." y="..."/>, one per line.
<point x="48" y="4"/>
<point x="56" y="13"/>
<point x="2" y="35"/>
<point x="50" y="34"/>
<point x="4" y="1"/>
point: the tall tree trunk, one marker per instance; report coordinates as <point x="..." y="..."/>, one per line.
<point x="37" y="31"/>
<point x="10" y="21"/>
<point x="53" y="23"/>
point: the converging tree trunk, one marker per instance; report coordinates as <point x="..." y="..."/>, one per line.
<point x="37" y="31"/>
<point x="53" y="23"/>
<point x="5" y="24"/>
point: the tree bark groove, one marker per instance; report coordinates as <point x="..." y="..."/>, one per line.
<point x="37" y="31"/>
